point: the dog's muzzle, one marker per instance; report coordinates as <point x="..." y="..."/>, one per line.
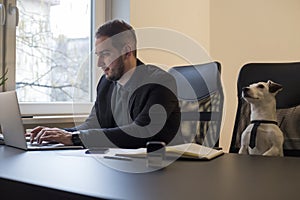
<point x="245" y="91"/>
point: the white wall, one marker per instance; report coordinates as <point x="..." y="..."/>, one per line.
<point x="120" y="9"/>
<point x="189" y="18"/>
<point x="243" y="31"/>
<point x="234" y="32"/>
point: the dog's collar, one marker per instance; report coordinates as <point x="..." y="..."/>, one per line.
<point x="263" y="121"/>
<point x="254" y="129"/>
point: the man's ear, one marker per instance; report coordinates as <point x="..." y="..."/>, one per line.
<point x="126" y="51"/>
<point x="274" y="87"/>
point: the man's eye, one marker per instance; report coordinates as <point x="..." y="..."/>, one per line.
<point x="103" y="54"/>
<point x="261" y="86"/>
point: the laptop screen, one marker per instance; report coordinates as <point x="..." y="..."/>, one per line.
<point x="10" y="120"/>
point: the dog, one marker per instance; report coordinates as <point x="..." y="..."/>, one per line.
<point x="262" y="136"/>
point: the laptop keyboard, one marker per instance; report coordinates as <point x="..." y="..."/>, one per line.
<point x="35" y="144"/>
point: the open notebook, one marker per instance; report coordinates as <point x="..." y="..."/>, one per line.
<point x="189" y="150"/>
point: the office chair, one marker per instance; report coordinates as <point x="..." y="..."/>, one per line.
<point x="201" y="99"/>
<point x="288" y="101"/>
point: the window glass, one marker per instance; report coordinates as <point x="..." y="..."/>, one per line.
<point x="53" y="45"/>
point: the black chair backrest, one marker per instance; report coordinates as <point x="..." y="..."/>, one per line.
<point x="201" y="98"/>
<point x="287" y="101"/>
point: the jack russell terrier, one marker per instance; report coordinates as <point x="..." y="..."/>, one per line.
<point x="262" y="136"/>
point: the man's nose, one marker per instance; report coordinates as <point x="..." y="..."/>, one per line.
<point x="101" y="63"/>
<point x="103" y="67"/>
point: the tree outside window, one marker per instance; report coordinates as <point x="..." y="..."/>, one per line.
<point x="52" y="44"/>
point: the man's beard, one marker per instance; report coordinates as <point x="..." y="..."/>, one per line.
<point x="118" y="72"/>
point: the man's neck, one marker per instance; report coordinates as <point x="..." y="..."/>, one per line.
<point x="129" y="70"/>
<point x="125" y="77"/>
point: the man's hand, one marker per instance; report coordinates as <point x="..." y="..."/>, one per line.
<point x="41" y="134"/>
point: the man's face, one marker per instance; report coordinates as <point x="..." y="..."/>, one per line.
<point x="109" y="59"/>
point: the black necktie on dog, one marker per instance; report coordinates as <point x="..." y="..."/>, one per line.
<point x="254" y="130"/>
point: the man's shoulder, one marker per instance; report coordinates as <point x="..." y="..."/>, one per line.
<point x="153" y="76"/>
<point x="153" y="72"/>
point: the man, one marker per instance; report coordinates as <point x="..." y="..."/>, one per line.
<point x="135" y="103"/>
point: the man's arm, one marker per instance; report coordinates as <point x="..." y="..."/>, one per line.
<point x="64" y="136"/>
<point x="161" y="125"/>
<point x="90" y="123"/>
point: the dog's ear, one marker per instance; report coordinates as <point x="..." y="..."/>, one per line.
<point x="274" y="87"/>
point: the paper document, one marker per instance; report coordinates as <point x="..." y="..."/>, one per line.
<point x="189" y="150"/>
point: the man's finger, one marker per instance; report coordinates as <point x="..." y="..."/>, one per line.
<point x="47" y="133"/>
<point x="34" y="132"/>
<point x="48" y="138"/>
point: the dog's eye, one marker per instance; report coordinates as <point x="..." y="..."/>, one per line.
<point x="261" y="86"/>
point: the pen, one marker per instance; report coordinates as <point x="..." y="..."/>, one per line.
<point x="117" y="158"/>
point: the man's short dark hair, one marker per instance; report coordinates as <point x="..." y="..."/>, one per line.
<point x="123" y="32"/>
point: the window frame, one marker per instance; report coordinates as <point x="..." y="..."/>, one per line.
<point x="100" y="13"/>
<point x="2" y="18"/>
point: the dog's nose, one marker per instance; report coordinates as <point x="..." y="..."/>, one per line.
<point x="245" y="89"/>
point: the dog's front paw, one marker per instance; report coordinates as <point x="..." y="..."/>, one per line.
<point x="243" y="150"/>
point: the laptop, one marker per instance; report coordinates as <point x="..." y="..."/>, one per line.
<point x="12" y="126"/>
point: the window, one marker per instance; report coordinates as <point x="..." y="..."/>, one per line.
<point x="2" y="24"/>
<point x="52" y="41"/>
<point x="54" y="66"/>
